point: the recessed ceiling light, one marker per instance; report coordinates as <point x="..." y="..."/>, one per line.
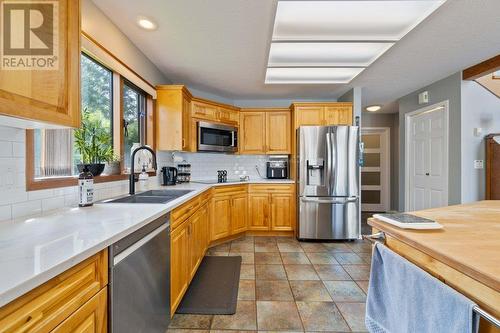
<point x="325" y="54"/>
<point x="146" y="23"/>
<point x="311" y="75"/>
<point x="350" y="20"/>
<point x="373" y="108"/>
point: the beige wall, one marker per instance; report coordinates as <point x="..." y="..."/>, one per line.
<point x="99" y="27"/>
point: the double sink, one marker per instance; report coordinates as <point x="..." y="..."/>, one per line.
<point x="151" y="197"/>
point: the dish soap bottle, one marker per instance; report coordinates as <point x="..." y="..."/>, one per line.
<point x="85" y="188"/>
<point x="142" y="184"/>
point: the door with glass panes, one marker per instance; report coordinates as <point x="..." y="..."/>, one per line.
<point x="375" y="182"/>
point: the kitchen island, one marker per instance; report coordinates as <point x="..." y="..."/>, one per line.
<point x="465" y="254"/>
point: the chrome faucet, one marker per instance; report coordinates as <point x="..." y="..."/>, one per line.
<point x="132" y="178"/>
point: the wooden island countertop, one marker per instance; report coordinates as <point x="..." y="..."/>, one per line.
<point x="465" y="254"/>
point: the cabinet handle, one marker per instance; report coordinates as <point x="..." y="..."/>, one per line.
<point x="183" y="143"/>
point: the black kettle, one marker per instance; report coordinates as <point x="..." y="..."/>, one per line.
<point x="169" y="175"/>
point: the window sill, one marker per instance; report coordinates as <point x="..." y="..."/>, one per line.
<point x="48" y="183"/>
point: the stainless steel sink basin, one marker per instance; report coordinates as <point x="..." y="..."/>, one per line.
<point x="152" y="197"/>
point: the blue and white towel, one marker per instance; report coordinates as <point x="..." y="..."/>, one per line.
<point x="402" y="298"/>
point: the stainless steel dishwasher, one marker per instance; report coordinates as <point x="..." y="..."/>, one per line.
<point x="139" y="289"/>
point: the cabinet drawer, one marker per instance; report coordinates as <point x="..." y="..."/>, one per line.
<point x="90" y="318"/>
<point x="230" y="189"/>
<point x="182" y="212"/>
<point x="287" y="188"/>
<point x="45" y="307"/>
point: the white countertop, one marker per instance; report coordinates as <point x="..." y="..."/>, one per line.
<point x="34" y="250"/>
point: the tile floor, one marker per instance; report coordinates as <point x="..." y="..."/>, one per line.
<point x="287" y="285"/>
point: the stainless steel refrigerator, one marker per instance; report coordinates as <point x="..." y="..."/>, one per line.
<point x="328" y="182"/>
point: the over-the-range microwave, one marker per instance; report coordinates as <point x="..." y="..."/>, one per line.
<point x="217" y="137"/>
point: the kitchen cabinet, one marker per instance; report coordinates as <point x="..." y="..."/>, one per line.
<point x="204" y="111"/>
<point x="221" y="220"/>
<point x="238" y="214"/>
<point x="322" y="114"/>
<point x="89" y="318"/>
<point x="173" y="119"/>
<point x="229" y="209"/>
<point x="179" y="264"/>
<point x="75" y="300"/>
<point x="265" y="131"/>
<point x="49" y="95"/>
<point x="271" y="207"/>
<point x="215" y="112"/>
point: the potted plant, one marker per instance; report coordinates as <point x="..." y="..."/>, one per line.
<point x="112" y="166"/>
<point x="93" y="142"/>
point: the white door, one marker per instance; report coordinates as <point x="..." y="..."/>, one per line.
<point x="375" y="179"/>
<point x="427" y="158"/>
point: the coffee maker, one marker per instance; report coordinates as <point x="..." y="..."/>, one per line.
<point x="169" y="176"/>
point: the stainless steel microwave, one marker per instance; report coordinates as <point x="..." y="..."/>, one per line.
<point x="217" y="137"/>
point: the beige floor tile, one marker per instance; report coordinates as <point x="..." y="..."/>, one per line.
<point x="243" y="319"/>
<point x="358" y="272"/>
<point x="229" y="331"/>
<point x="264" y="239"/>
<point x="278" y="316"/>
<point x="289" y="247"/>
<point x="185" y="330"/>
<point x="295" y="258"/>
<point x="263" y="247"/>
<point x="301" y="272"/>
<point x="313" y="247"/>
<point x="331" y="272"/>
<point x="224" y="247"/>
<point x="246" y="257"/>
<point x="360" y="246"/>
<point x="217" y="254"/>
<point x="247" y="272"/>
<point x="345" y="291"/>
<point x="289" y="240"/>
<point x="246" y="291"/>
<point x="266" y="258"/>
<point x="354" y="313"/>
<point x="363" y="285"/>
<point x="269" y="272"/>
<point x="337" y="247"/>
<point x="242" y="247"/>
<point x="191" y="321"/>
<point x="273" y="291"/>
<point x="310" y="291"/>
<point x="324" y="258"/>
<point x="321" y="316"/>
<point x="366" y="256"/>
<point x="348" y="258"/>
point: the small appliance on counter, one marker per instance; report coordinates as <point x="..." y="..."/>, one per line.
<point x="277" y="168"/>
<point x="169" y="176"/>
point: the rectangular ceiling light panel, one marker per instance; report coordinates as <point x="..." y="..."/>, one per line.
<point x="311" y="75"/>
<point x="325" y="54"/>
<point x="350" y="20"/>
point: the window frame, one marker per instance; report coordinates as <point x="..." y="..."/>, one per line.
<point x="33" y="184"/>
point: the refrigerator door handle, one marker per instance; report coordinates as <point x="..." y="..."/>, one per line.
<point x="329" y="161"/>
<point x="331" y="201"/>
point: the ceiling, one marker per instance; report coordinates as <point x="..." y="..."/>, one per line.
<point x="222" y="46"/>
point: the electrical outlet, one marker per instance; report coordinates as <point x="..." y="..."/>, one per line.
<point x="478" y="164"/>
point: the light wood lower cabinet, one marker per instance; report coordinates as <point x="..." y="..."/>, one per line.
<point x="179" y="262"/>
<point x="258" y="211"/>
<point x="72" y="299"/>
<point x="90" y="318"/>
<point x="238" y="214"/>
<point x="221" y="217"/>
<point x="271" y="208"/>
<point x="282" y="211"/>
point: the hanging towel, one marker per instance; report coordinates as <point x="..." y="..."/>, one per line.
<point x="403" y="298"/>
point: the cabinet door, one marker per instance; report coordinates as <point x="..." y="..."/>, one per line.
<point x="49" y="94"/>
<point x="89" y="318"/>
<point x="221" y="217"/>
<point x="338" y="115"/>
<point x="179" y="264"/>
<point x="228" y="116"/>
<point x="194" y="235"/>
<point x="187" y="131"/>
<point x="204" y="111"/>
<point x="278" y="132"/>
<point x="238" y="214"/>
<point x="205" y="227"/>
<point x="282" y="211"/>
<point x="258" y="211"/>
<point x="309" y="115"/>
<point x="252" y="128"/>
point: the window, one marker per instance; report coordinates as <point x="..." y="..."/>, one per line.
<point x="53" y="155"/>
<point x="134" y="115"/>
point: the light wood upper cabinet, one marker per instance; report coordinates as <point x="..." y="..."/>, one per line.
<point x="265" y="131"/>
<point x="228" y="116"/>
<point x="278" y="132"/>
<point x="282" y="211"/>
<point x="173" y="119"/>
<point x="252" y="133"/>
<point x="239" y="214"/>
<point x="258" y="211"/>
<point x="204" y="111"/>
<point x="50" y="95"/>
<point x="322" y="114"/>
